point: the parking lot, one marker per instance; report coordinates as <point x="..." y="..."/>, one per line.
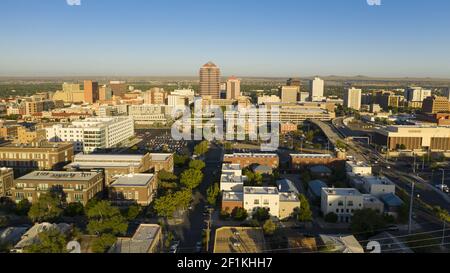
<point x="162" y="141"/>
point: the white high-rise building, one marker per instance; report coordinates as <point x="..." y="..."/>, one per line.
<point x="352" y="98"/>
<point x="417" y="94"/>
<point x="93" y="133"/>
<point x="177" y="101"/>
<point x="317" y="89"/>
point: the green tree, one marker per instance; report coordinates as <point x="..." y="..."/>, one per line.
<point x="166" y="176"/>
<point x="304" y="213"/>
<point x="269" y="227"/>
<point x="165" y="206"/>
<point x="74" y="209"/>
<point x="103" y="243"/>
<point x="197" y="164"/>
<point x="133" y="212"/>
<point x="367" y="222"/>
<point x="106" y="219"/>
<point x="212" y="193"/>
<point x="48" y="207"/>
<point x="331" y="217"/>
<point x="180" y="160"/>
<point x="310" y="136"/>
<point x="239" y="214"/>
<point x="23" y="207"/>
<point x="261" y="214"/>
<point x="201" y="148"/>
<point x="50" y="241"/>
<point x="191" y="178"/>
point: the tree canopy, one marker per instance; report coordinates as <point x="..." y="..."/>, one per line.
<point x="50" y="241"/>
<point x="47" y="208"/>
<point x="197" y="164"/>
<point x="106" y="219"/>
<point x="191" y="178"/>
<point x="367" y="222"/>
<point x="304" y="213"/>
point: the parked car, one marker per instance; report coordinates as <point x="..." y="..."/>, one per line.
<point x="174" y="247"/>
<point x="198" y="247"/>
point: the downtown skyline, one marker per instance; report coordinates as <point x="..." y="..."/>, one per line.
<point x="255" y="38"/>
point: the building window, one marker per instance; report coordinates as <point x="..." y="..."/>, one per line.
<point x="256" y="202"/>
<point x="341" y="204"/>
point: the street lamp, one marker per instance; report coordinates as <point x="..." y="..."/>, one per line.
<point x="411" y="207"/>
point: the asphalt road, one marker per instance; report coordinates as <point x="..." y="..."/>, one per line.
<point x="190" y="232"/>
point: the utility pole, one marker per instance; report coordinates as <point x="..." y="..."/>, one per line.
<point x="411" y="208"/>
<point x="443" y="235"/>
<point x="208" y="229"/>
<point x="414" y="165"/>
<point x="443" y="179"/>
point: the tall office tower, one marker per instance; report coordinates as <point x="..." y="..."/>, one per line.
<point x="105" y="93"/>
<point x="91" y="91"/>
<point x="289" y="94"/>
<point x="210" y="81"/>
<point x="317" y="89"/>
<point x="233" y="88"/>
<point x="119" y="88"/>
<point x="416" y="94"/>
<point x="155" y="96"/>
<point x="352" y="98"/>
<point x="447" y="93"/>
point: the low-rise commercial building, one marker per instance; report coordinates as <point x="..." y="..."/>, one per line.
<point x="299" y="161"/>
<point x="146" y="239"/>
<point x="342" y="202"/>
<point x="247" y="159"/>
<point x="378" y="186"/>
<point x="133" y="188"/>
<point x="262" y="197"/>
<point x="232" y="200"/>
<point x="78" y="186"/>
<point x="413" y="138"/>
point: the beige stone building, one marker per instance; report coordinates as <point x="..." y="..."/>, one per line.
<point x="6" y="181"/>
<point x="78" y="186"/>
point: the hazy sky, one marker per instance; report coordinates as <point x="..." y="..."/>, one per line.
<point x="244" y="37"/>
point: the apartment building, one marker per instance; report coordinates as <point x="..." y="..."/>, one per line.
<point x="352" y="98"/>
<point x="247" y="159"/>
<point x="93" y="133"/>
<point x="78" y="186"/>
<point x="133" y="188"/>
<point x="35" y="156"/>
<point x="6" y="181"/>
<point x="232" y="183"/>
<point x="343" y="202"/>
<point x="435" y="104"/>
<point x="358" y="168"/>
<point x="289" y="94"/>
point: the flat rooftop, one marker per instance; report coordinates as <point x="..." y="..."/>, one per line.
<point x="141" y="241"/>
<point x="231" y="167"/>
<point x="226" y="178"/>
<point x="106" y="157"/>
<point x="358" y="164"/>
<point x="289" y="197"/>
<point x="59" y="176"/>
<point x="232" y="196"/>
<point x="312" y="155"/>
<point x="239" y="240"/>
<point x="132" y="180"/>
<point x="160" y="157"/>
<point x="42" y="145"/>
<point x="342" y="191"/>
<point x="377" y="180"/>
<point x="250" y="155"/>
<point x="260" y="190"/>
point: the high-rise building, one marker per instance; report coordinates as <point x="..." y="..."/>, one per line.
<point x="233" y="88"/>
<point x="155" y="96"/>
<point x="105" y="93"/>
<point x="93" y="133"/>
<point x="352" y="98"/>
<point x="435" y="104"/>
<point x="210" y="81"/>
<point x="416" y="94"/>
<point x="447" y="93"/>
<point x="317" y="89"/>
<point x="91" y="92"/>
<point x="119" y="88"/>
<point x="289" y="94"/>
